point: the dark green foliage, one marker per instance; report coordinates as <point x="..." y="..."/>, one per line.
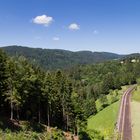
<point x="95" y="135"/>
<point x="4" y="80"/>
<point x="54" y="59"/>
<point x="4" y="75"/>
<point x="84" y="136"/>
<point x="103" y="101"/>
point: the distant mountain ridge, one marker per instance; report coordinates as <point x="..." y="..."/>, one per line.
<point x="56" y="58"/>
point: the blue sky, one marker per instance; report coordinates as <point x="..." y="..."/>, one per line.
<point x="96" y="25"/>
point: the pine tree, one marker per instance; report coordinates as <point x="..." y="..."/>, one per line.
<point x="47" y="95"/>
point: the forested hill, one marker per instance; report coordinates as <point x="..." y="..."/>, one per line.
<point x="55" y="58"/>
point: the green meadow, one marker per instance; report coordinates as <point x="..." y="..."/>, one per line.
<point x="135" y="112"/>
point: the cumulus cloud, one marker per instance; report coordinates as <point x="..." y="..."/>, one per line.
<point x="74" y="26"/>
<point x="56" y="38"/>
<point x="43" y="20"/>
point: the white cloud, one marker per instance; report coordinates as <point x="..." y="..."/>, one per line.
<point x="43" y="20"/>
<point x="56" y="38"/>
<point x="74" y="26"/>
<point x="95" y="32"/>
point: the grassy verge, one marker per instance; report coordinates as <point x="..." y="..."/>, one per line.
<point x="135" y="113"/>
<point x="136" y="94"/>
<point x="105" y="120"/>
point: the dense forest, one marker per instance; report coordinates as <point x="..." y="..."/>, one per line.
<point x="60" y="98"/>
<point x="55" y="58"/>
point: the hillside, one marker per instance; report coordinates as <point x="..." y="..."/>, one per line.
<point x="104" y="124"/>
<point x="55" y="58"/>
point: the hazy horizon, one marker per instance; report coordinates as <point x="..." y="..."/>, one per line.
<point x="68" y="49"/>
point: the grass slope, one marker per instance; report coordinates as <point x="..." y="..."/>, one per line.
<point x="135" y="109"/>
<point x="135" y="112"/>
<point x="105" y="120"/>
<point x="136" y="94"/>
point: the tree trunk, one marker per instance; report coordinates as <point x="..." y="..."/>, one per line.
<point x="67" y="122"/>
<point x="11" y="103"/>
<point x="11" y="110"/>
<point x="75" y="127"/>
<point x="48" y="113"/>
<point x="64" y="120"/>
<point x="74" y="131"/>
<point x="17" y="113"/>
<point x="39" y="114"/>
<point x="77" y="130"/>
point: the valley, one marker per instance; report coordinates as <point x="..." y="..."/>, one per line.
<point x="81" y="102"/>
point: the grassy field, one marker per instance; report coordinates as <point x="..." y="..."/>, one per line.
<point x="105" y="120"/>
<point x="135" y="109"/>
<point x="136" y="94"/>
<point x="135" y="112"/>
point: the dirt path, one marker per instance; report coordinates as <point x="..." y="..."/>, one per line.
<point x="124" y="118"/>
